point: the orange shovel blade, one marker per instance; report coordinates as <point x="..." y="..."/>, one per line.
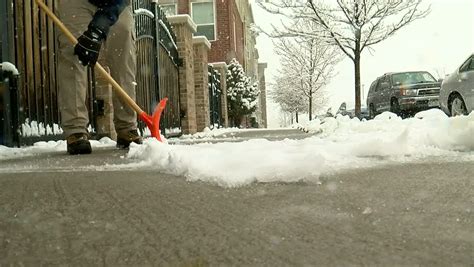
<point x="153" y="122"/>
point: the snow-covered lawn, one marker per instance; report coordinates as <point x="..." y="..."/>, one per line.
<point x="338" y="144"/>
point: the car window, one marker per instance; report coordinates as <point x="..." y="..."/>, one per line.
<point x="468" y="65"/>
<point x="471" y="65"/>
<point x="379" y="85"/>
<point x="384" y="83"/>
<point x="373" y="87"/>
<point x="412" y="77"/>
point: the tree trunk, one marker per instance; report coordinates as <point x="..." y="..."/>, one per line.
<point x="310" y="106"/>
<point x="237" y="121"/>
<point x="297" y="121"/>
<point x="357" y="79"/>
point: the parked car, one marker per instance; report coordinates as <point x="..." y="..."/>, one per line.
<point x="457" y="90"/>
<point x="364" y="113"/>
<point x="403" y="93"/>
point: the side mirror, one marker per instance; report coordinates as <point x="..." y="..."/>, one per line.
<point x="440" y="80"/>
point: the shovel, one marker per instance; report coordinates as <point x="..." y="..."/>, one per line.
<point x="152" y="122"/>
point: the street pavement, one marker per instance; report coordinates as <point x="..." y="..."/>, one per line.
<point x="57" y="209"/>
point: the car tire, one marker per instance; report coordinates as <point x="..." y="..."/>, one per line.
<point x="372" y="112"/>
<point x="395" y="107"/>
<point x="457" y="106"/>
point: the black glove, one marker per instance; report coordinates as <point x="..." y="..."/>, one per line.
<point x="88" y="47"/>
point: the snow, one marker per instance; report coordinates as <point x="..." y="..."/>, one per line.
<point x="167" y="32"/>
<point x="38" y="129"/>
<point x="342" y="144"/>
<point x="9" y="67"/>
<point x="338" y="144"/>
<point x="143" y="11"/>
<point x="209" y="134"/>
<point x="47" y="147"/>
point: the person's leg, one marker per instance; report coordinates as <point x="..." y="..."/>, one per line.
<point x="72" y="76"/>
<point x="121" y="59"/>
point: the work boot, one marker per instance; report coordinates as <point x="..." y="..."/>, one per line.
<point x="78" y="143"/>
<point x="125" y="138"/>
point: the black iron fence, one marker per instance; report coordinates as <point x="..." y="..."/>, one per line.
<point x="215" y="94"/>
<point x="158" y="64"/>
<point x="9" y="112"/>
<point x="28" y="40"/>
<point x="33" y="50"/>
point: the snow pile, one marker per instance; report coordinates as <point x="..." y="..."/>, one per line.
<point x="342" y="144"/>
<point x="313" y="126"/>
<point x="38" y="129"/>
<point x="9" y="67"/>
<point x="47" y="147"/>
<point x="208" y="133"/>
<point x="427" y="130"/>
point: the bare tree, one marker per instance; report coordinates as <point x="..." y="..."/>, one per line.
<point x="307" y="64"/>
<point x="289" y="98"/>
<point x="350" y="25"/>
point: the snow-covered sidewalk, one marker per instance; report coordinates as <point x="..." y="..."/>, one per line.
<point x="338" y="144"/>
<point x="341" y="144"/>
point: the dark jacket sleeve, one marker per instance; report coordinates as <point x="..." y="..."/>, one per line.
<point x="107" y="14"/>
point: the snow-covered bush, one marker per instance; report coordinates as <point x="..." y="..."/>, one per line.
<point x="242" y="94"/>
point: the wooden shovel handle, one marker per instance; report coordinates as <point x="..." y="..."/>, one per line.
<point x="99" y="68"/>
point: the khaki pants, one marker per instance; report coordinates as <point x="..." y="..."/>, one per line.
<point x="118" y="53"/>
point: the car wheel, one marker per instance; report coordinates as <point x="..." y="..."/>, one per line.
<point x="372" y="111"/>
<point x="395" y="107"/>
<point x="458" y="107"/>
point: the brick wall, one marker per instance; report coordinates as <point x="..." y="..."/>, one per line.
<point x="201" y="80"/>
<point x="184" y="28"/>
<point x="183" y="7"/>
<point x="223" y="48"/>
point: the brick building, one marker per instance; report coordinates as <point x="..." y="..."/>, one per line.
<point x="227" y="26"/>
<point x="219" y="21"/>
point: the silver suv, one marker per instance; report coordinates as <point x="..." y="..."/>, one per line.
<point x="457" y="90"/>
<point x="403" y="93"/>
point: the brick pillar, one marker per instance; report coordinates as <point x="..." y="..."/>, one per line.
<point x="105" y="123"/>
<point x="221" y="67"/>
<point x="184" y="28"/>
<point x="201" y="82"/>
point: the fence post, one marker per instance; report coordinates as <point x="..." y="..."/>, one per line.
<point x="221" y="67"/>
<point x="9" y="98"/>
<point x="201" y="80"/>
<point x="184" y="28"/>
<point x="263" y="95"/>
<point x="3" y="31"/>
<point x="9" y="108"/>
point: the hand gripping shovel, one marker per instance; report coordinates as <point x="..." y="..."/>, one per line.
<point x="152" y="122"/>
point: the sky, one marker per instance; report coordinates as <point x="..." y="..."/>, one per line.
<point x="339" y="144"/>
<point x="438" y="43"/>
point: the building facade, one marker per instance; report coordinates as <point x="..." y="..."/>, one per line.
<point x="228" y="25"/>
<point x="219" y="21"/>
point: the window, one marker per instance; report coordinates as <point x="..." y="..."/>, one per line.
<point x="383" y="84"/>
<point x="169" y="9"/>
<point x="373" y="86"/>
<point x="467" y="66"/>
<point x="412" y="77"/>
<point x="202" y="12"/>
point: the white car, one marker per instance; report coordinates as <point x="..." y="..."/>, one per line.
<point x="457" y="90"/>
